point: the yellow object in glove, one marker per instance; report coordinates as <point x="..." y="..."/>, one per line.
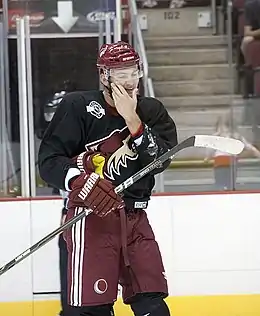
<point x="99" y="162"/>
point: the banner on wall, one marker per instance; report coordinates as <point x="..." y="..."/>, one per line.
<point x="65" y="16"/>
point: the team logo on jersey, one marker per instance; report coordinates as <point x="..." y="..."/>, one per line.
<point x="115" y="147"/>
<point x="100" y="286"/>
<point x="95" y="109"/>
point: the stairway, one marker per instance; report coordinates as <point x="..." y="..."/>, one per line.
<point x="190" y="73"/>
<point x="192" y="79"/>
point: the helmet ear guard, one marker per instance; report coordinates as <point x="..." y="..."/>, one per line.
<point x="108" y="78"/>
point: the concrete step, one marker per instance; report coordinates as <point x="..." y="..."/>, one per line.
<point x="187" y="88"/>
<point x="206" y="117"/>
<point x="183" y="21"/>
<point x="201" y="101"/>
<point x="190" y="72"/>
<point x="203" y="41"/>
<point x="187" y="56"/>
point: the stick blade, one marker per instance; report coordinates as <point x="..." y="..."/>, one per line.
<point x="229" y="145"/>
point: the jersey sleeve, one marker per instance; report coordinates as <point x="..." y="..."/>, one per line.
<point x="159" y="134"/>
<point x="62" y="141"/>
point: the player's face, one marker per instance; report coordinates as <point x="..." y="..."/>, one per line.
<point x="126" y="77"/>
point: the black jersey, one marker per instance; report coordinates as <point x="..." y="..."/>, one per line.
<point x="84" y="121"/>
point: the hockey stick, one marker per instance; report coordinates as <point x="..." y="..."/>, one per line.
<point x="228" y="145"/>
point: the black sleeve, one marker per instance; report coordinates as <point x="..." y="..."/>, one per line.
<point x="62" y="140"/>
<point x="159" y="134"/>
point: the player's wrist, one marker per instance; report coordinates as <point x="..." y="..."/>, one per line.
<point x="133" y="123"/>
<point x="138" y="132"/>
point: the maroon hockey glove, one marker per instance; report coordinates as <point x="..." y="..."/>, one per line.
<point x="89" y="190"/>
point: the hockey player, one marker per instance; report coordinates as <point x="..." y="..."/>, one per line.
<point x="95" y="141"/>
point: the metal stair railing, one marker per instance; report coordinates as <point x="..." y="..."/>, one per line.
<point x="140" y="47"/>
<point x="138" y="43"/>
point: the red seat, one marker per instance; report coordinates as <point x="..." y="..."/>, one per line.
<point x="238" y="15"/>
<point x="252" y="57"/>
<point x="241" y="23"/>
<point x="239" y="4"/>
<point x="238" y="21"/>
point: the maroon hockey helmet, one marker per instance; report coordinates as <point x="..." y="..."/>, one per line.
<point x="118" y="55"/>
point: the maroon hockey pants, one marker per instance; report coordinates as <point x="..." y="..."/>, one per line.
<point x="103" y="252"/>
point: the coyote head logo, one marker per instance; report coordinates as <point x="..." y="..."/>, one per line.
<point x="116" y="148"/>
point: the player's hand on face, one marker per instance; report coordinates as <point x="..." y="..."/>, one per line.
<point x="124" y="103"/>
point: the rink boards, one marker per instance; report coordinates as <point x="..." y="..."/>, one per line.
<point x="210" y="245"/>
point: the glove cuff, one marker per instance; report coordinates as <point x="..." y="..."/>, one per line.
<point x="71" y="174"/>
<point x="80" y="162"/>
